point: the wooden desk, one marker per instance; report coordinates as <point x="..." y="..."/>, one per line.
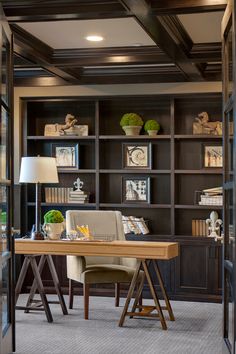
<point x="145" y="252"/>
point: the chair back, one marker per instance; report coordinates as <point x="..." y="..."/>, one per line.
<point x="104" y="225"/>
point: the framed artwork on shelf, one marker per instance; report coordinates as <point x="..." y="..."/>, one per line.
<point x="136" y="189"/>
<point x="136" y="156"/>
<point x="212" y="156"/>
<point x="67" y="155"/>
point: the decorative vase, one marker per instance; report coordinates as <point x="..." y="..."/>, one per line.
<point x="152" y="132"/>
<point x="54" y="231"/>
<point x="132" y="129"/>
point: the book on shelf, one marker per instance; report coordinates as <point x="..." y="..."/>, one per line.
<point x="211" y="196"/>
<point x="199" y="228"/>
<point x="78" y="196"/>
<point x="57" y="194"/>
<point x="134" y="225"/>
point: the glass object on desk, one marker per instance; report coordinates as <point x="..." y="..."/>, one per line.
<point x="72" y="235"/>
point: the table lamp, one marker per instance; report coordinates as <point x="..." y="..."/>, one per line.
<point x="38" y="170"/>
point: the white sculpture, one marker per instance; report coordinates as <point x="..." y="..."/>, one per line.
<point x="214" y="224"/>
<point x="78" y="184"/>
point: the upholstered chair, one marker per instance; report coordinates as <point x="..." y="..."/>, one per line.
<point x="98" y="270"/>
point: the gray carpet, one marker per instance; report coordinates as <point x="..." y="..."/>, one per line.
<point x="197" y="330"/>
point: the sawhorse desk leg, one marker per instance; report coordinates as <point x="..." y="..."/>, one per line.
<point x="146" y="311"/>
<point x="38" y="285"/>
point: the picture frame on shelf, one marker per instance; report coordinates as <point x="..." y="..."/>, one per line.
<point x="212" y="156"/>
<point x="136" y="156"/>
<point x="136" y="189"/>
<point x="67" y="156"/>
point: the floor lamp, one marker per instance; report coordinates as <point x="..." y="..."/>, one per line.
<point x="38" y="170"/>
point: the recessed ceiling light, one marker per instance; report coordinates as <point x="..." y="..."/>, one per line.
<point x="94" y="38"/>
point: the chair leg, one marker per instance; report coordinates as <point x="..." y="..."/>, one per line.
<point x="71" y="294"/>
<point x="117" y="294"/>
<point x="86" y="301"/>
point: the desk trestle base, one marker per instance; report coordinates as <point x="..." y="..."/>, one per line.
<point x="43" y="304"/>
<point x="144" y="310"/>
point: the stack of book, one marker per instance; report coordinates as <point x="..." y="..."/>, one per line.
<point x="57" y="195"/>
<point x="134" y="225"/>
<point x="78" y="196"/>
<point x="199" y="228"/>
<point x="212" y="196"/>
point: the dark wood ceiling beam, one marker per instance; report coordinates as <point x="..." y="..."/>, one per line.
<point x="23" y="11"/>
<point x="35" y="51"/>
<point x="177" y="31"/>
<point x="154" y="28"/>
<point x="172" y="7"/>
<point x="63" y="10"/>
<point x="40" y="81"/>
<point x="205" y="52"/>
<point x="109" y="56"/>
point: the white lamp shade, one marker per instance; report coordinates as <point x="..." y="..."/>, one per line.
<point x="38" y="170"/>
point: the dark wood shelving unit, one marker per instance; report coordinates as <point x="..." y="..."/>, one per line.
<point x="136" y="138"/>
<point x="176" y="173"/>
<point x="210" y="171"/>
<point x="124" y="171"/>
<point x="64" y="137"/>
<point x="196" y="206"/>
<point x="84" y="205"/>
<point x="76" y="171"/>
<point x="130" y="205"/>
<point x="197" y="137"/>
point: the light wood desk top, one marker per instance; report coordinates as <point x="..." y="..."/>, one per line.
<point x="131" y="249"/>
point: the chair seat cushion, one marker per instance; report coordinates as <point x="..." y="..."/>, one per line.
<point x="107" y="273"/>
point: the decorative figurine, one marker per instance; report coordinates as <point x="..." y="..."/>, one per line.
<point x="69" y="123"/>
<point x="204" y="126"/>
<point x="78" y="184"/>
<point x="214" y="224"/>
<point x="69" y="128"/>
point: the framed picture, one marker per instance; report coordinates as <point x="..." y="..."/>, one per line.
<point x="136" y="189"/>
<point x="67" y="155"/>
<point x="136" y="156"/>
<point x="213" y="156"/>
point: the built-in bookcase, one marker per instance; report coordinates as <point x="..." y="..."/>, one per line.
<point x="177" y="171"/>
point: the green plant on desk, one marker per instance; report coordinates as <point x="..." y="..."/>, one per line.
<point x="53" y="224"/>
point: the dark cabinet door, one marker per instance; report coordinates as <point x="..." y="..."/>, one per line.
<point x="197" y="271"/>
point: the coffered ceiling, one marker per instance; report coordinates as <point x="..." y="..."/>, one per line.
<point x="144" y="41"/>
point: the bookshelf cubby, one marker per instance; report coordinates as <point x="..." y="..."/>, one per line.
<point x="177" y="171"/>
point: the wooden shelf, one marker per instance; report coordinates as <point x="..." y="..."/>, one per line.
<point x="198" y="137"/>
<point x="209" y="171"/>
<point x="77" y="171"/>
<point x="134" y="171"/>
<point x="135" y="205"/>
<point x="41" y="137"/>
<point x="133" y="137"/>
<point x="198" y="207"/>
<point x="84" y="205"/>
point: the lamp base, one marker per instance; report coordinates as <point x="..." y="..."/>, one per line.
<point x="37" y="235"/>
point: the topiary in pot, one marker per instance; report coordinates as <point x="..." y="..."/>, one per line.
<point x="53" y="224"/>
<point x="131" y="123"/>
<point x="152" y="127"/>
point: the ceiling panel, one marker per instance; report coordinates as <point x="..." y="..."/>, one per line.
<point x="71" y="34"/>
<point x="203" y="27"/>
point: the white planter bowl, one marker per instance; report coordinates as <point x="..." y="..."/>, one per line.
<point x="152" y="132"/>
<point x="132" y="129"/>
<point x="54" y="231"/>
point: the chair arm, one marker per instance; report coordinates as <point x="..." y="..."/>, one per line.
<point x="75" y="266"/>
